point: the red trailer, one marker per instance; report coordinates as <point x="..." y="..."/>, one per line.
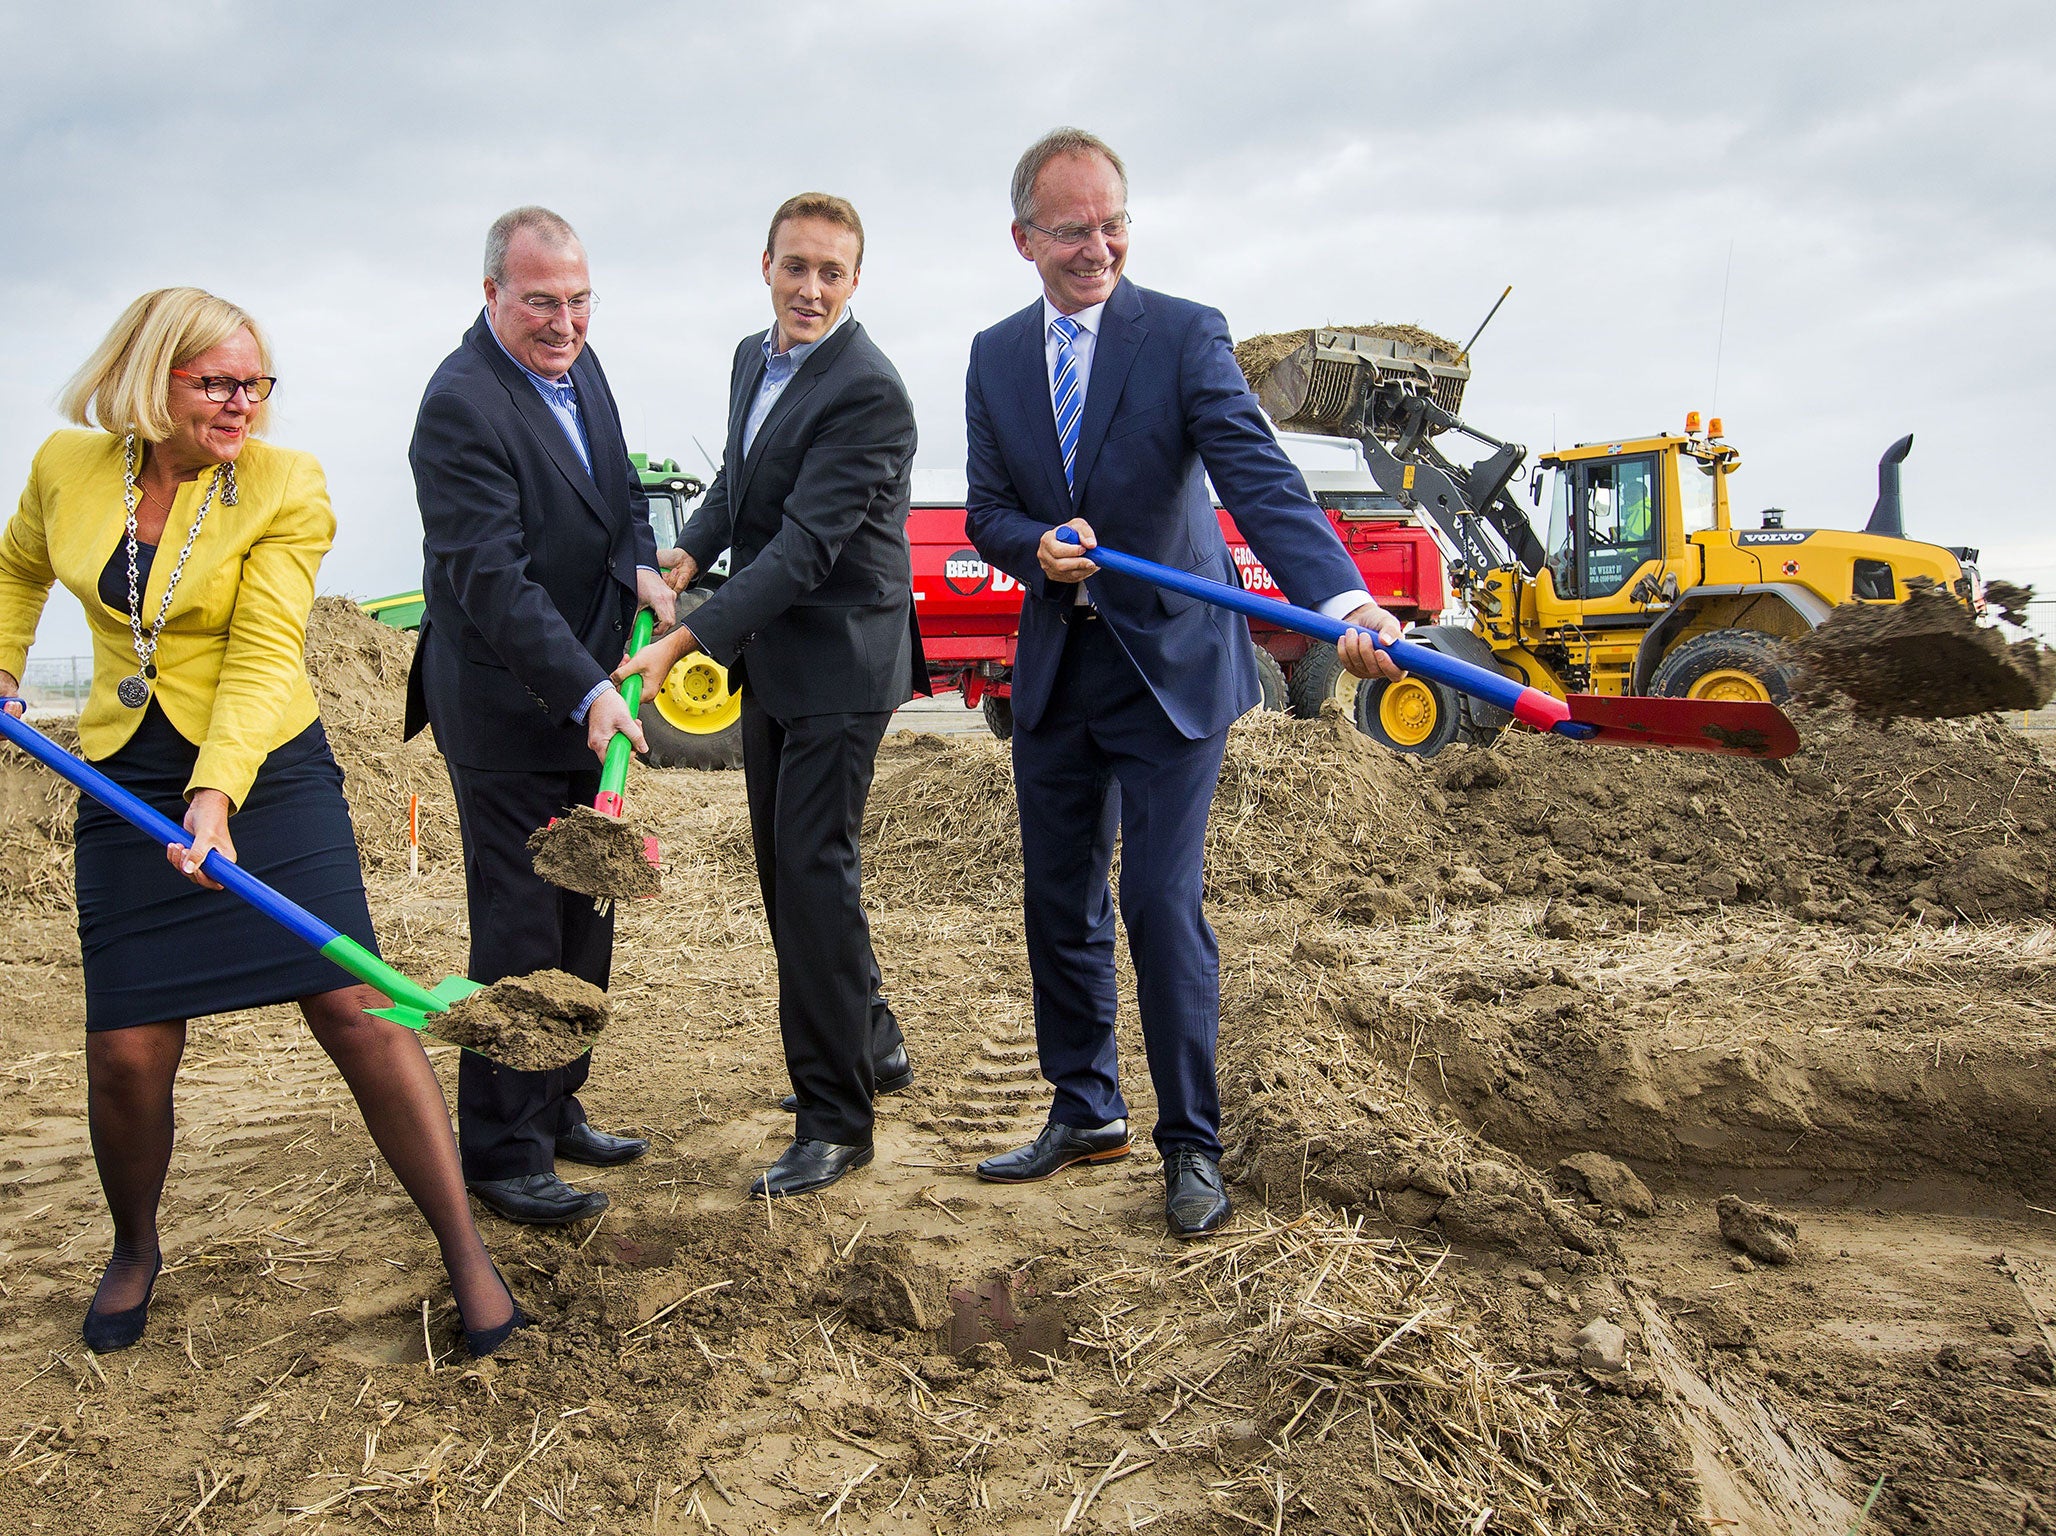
<point x="969" y="612"/>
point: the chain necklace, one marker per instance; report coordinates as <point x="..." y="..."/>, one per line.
<point x="134" y="691"/>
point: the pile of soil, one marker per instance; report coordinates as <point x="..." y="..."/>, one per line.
<point x="1926" y="658"/>
<point x="36" y="810"/>
<point x="533" y="1023"/>
<point x="1302" y="808"/>
<point x="1258" y="355"/>
<point x="359" y="670"/>
<point x="596" y="855"/>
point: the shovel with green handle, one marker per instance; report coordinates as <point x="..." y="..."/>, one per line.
<point x="614" y="769"/>
<point x="574" y="871"/>
<point x="412" y="1004"/>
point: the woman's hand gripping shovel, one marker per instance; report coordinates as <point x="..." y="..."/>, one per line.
<point x="505" y="1023"/>
<point x="1736" y="729"/>
<point x="592" y="850"/>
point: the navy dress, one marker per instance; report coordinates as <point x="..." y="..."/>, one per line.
<point x="158" y="947"/>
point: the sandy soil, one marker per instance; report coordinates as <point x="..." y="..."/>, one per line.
<point x="1497" y="1038"/>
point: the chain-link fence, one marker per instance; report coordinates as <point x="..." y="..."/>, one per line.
<point x="57" y="682"/>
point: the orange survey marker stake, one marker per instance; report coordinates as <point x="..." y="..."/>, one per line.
<point x="414" y="836"/>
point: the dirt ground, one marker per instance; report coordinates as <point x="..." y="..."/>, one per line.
<point x="1498" y="1034"/>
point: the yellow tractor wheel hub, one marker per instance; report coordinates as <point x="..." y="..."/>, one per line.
<point x="1409" y="711"/>
<point x="1730" y="685"/>
<point x="696" y="697"/>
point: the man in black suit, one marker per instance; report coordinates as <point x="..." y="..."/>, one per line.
<point x="536" y="551"/>
<point x="817" y="624"/>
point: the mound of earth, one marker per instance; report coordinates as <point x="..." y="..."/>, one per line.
<point x="1865" y="825"/>
<point x="1927" y="658"/>
<point x="359" y="670"/>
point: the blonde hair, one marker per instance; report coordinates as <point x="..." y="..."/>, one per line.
<point x="125" y="386"/>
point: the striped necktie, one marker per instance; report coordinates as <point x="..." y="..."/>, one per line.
<point x="1070" y="399"/>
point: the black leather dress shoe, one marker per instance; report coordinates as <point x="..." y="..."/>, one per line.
<point x="1195" y="1199"/>
<point x="808" y="1165"/>
<point x="538" y="1199"/>
<point x="583" y="1144"/>
<point x="1057" y="1148"/>
<point x="889" y="1074"/>
<point x="105" y="1332"/>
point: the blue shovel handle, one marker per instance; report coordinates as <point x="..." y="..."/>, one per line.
<point x="1531" y="705"/>
<point x="161" y="827"/>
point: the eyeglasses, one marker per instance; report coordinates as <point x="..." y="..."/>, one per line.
<point x="1078" y="234"/>
<point x="220" y="388"/>
<point x="543" y="307"/>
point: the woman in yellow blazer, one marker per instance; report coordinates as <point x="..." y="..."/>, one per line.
<point x="193" y="548"/>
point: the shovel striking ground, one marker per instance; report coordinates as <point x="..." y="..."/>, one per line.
<point x="412" y="1003"/>
<point x="1735" y="729"/>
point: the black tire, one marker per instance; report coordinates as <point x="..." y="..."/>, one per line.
<point x="1270" y="678"/>
<point x="1319" y="677"/>
<point x="999" y="716"/>
<point x="1415" y="715"/>
<point x="694" y="721"/>
<point x="1723" y="664"/>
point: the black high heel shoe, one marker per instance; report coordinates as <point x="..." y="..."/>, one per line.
<point x="105" y="1332"/>
<point x="483" y="1341"/>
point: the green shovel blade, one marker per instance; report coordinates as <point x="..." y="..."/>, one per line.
<point x="444" y="992"/>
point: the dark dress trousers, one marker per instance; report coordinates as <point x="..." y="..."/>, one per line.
<point x="1121" y="713"/>
<point x="529" y="569"/>
<point x="817" y="625"/>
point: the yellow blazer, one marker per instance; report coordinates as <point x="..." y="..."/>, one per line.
<point x="231" y="662"/>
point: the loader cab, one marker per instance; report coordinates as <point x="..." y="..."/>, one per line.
<point x="1605" y="522"/>
<point x="1617" y="509"/>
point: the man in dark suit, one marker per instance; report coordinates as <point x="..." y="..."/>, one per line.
<point x="536" y="550"/>
<point x="817" y="625"/>
<point x="1103" y="406"/>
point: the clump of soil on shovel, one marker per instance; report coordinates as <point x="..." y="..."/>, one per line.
<point x="1926" y="657"/>
<point x="598" y="855"/>
<point x="533" y="1023"/>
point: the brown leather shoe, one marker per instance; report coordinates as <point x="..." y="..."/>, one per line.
<point x="1057" y="1148"/>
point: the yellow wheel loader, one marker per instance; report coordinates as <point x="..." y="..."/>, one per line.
<point x="1644" y="586"/>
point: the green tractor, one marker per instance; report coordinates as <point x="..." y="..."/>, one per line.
<point x="695" y="719"/>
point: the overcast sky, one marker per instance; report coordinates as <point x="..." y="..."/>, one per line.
<point x="1881" y="174"/>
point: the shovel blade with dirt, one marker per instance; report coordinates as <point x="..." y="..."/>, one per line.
<point x="590" y="849"/>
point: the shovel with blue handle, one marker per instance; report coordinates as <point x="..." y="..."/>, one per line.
<point x="413" y="1005"/>
<point x="1731" y="728"/>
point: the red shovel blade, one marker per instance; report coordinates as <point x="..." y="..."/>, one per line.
<point x="1733" y="729"/>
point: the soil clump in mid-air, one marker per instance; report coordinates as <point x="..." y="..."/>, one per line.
<point x="1926" y="657"/>
<point x="533" y="1023"/>
<point x="595" y="854"/>
<point x="1258" y="355"/>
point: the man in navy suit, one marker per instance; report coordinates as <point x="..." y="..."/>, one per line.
<point x="1104" y="406"/>
<point x="536" y="548"/>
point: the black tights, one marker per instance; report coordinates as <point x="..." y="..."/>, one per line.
<point x="129" y="1074"/>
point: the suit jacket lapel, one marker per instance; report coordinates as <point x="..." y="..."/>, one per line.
<point x="528" y="405"/>
<point x="1029" y="370"/>
<point x="1121" y="330"/>
<point x="818" y="362"/>
<point x="742" y="393"/>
